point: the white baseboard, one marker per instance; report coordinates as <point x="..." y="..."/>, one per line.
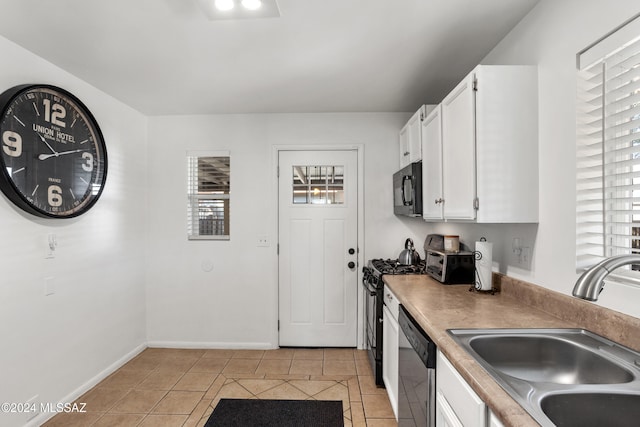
<point x="42" y="418"/>
<point x="213" y="345"/>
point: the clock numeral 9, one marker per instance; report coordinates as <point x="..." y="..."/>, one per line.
<point x="12" y="143"/>
<point x="55" y="196"/>
<point x="54" y="113"/>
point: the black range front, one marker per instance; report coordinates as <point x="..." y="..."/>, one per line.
<point x="373" y="288"/>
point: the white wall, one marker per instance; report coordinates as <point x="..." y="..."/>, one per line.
<point x="236" y="303"/>
<point x="550" y="36"/>
<point x="56" y="346"/>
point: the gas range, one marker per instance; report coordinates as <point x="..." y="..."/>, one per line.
<point x="392" y="266"/>
<point x="374" y="287"/>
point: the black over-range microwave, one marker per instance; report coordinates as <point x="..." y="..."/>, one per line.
<point x="407" y="190"/>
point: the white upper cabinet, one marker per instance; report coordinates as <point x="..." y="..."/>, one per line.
<point x="410" y="144"/>
<point x="489" y="134"/>
<point x="432" y="200"/>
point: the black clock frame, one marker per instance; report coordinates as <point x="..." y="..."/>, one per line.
<point x="7" y="185"/>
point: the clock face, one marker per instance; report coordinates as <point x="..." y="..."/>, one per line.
<point x="53" y="156"/>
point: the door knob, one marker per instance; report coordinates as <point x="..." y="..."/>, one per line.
<point x="352" y="251"/>
<point x="351" y="264"/>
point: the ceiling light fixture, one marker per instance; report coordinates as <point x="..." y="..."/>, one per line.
<point x="246" y="9"/>
<point x="224" y="4"/>
<point x="252" y="4"/>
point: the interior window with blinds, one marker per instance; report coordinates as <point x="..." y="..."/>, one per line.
<point x="608" y="148"/>
<point x="208" y="196"/>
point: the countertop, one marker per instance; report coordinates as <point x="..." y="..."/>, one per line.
<point x="437" y="307"/>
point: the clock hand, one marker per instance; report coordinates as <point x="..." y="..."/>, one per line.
<point x="45" y="141"/>
<point x="46" y="156"/>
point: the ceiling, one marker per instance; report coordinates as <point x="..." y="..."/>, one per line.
<point x="165" y="57"/>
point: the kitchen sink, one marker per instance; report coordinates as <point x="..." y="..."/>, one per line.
<point x="555" y="374"/>
<point x="592" y="409"/>
<point x="541" y="358"/>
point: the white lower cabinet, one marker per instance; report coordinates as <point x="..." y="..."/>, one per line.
<point x="457" y="405"/>
<point x="494" y="421"/>
<point x="390" y="331"/>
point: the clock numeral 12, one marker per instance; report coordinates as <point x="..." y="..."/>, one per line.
<point x="54" y="113"/>
<point x="12" y="143"/>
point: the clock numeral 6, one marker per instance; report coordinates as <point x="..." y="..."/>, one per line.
<point x="55" y="196"/>
<point x="12" y="143"/>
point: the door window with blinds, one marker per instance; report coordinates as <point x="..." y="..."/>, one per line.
<point x="208" y="189"/>
<point x="608" y="148"/>
<point x="318" y="185"/>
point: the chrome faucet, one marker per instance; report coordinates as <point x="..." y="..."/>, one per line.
<point x="591" y="282"/>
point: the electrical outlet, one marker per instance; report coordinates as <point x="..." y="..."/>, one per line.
<point x="263" y="241"/>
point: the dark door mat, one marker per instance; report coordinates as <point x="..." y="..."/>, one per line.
<point x="276" y="413"/>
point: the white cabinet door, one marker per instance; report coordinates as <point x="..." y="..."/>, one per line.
<point x="494" y="421"/>
<point x="465" y="405"/>
<point x="404" y="147"/>
<point x="458" y="151"/>
<point x="410" y="141"/>
<point x="445" y="415"/>
<point x="415" y="144"/>
<point x="390" y="332"/>
<point x="432" y="200"/>
<point x="507" y="143"/>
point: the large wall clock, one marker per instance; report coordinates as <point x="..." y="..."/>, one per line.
<point x="53" y="156"/>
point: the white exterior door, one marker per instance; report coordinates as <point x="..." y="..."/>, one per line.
<point x="318" y="235"/>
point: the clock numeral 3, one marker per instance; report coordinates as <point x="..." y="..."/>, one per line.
<point x="55" y="196"/>
<point x="88" y="165"/>
<point x="12" y="143"/>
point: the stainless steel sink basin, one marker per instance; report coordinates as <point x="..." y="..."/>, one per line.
<point x="592" y="409"/>
<point x="552" y="358"/>
<point x="556" y="374"/>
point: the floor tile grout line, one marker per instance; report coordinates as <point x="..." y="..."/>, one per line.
<point x="206" y="404"/>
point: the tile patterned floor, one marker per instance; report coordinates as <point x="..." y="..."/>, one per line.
<point x="180" y="387"/>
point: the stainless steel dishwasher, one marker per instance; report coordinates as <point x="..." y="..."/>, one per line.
<point x="416" y="374"/>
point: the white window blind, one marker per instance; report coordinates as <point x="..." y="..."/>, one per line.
<point x="608" y="148"/>
<point x="208" y="191"/>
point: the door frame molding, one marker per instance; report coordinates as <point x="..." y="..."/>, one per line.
<point x="359" y="149"/>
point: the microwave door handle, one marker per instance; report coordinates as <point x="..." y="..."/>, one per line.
<point x="404" y="200"/>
